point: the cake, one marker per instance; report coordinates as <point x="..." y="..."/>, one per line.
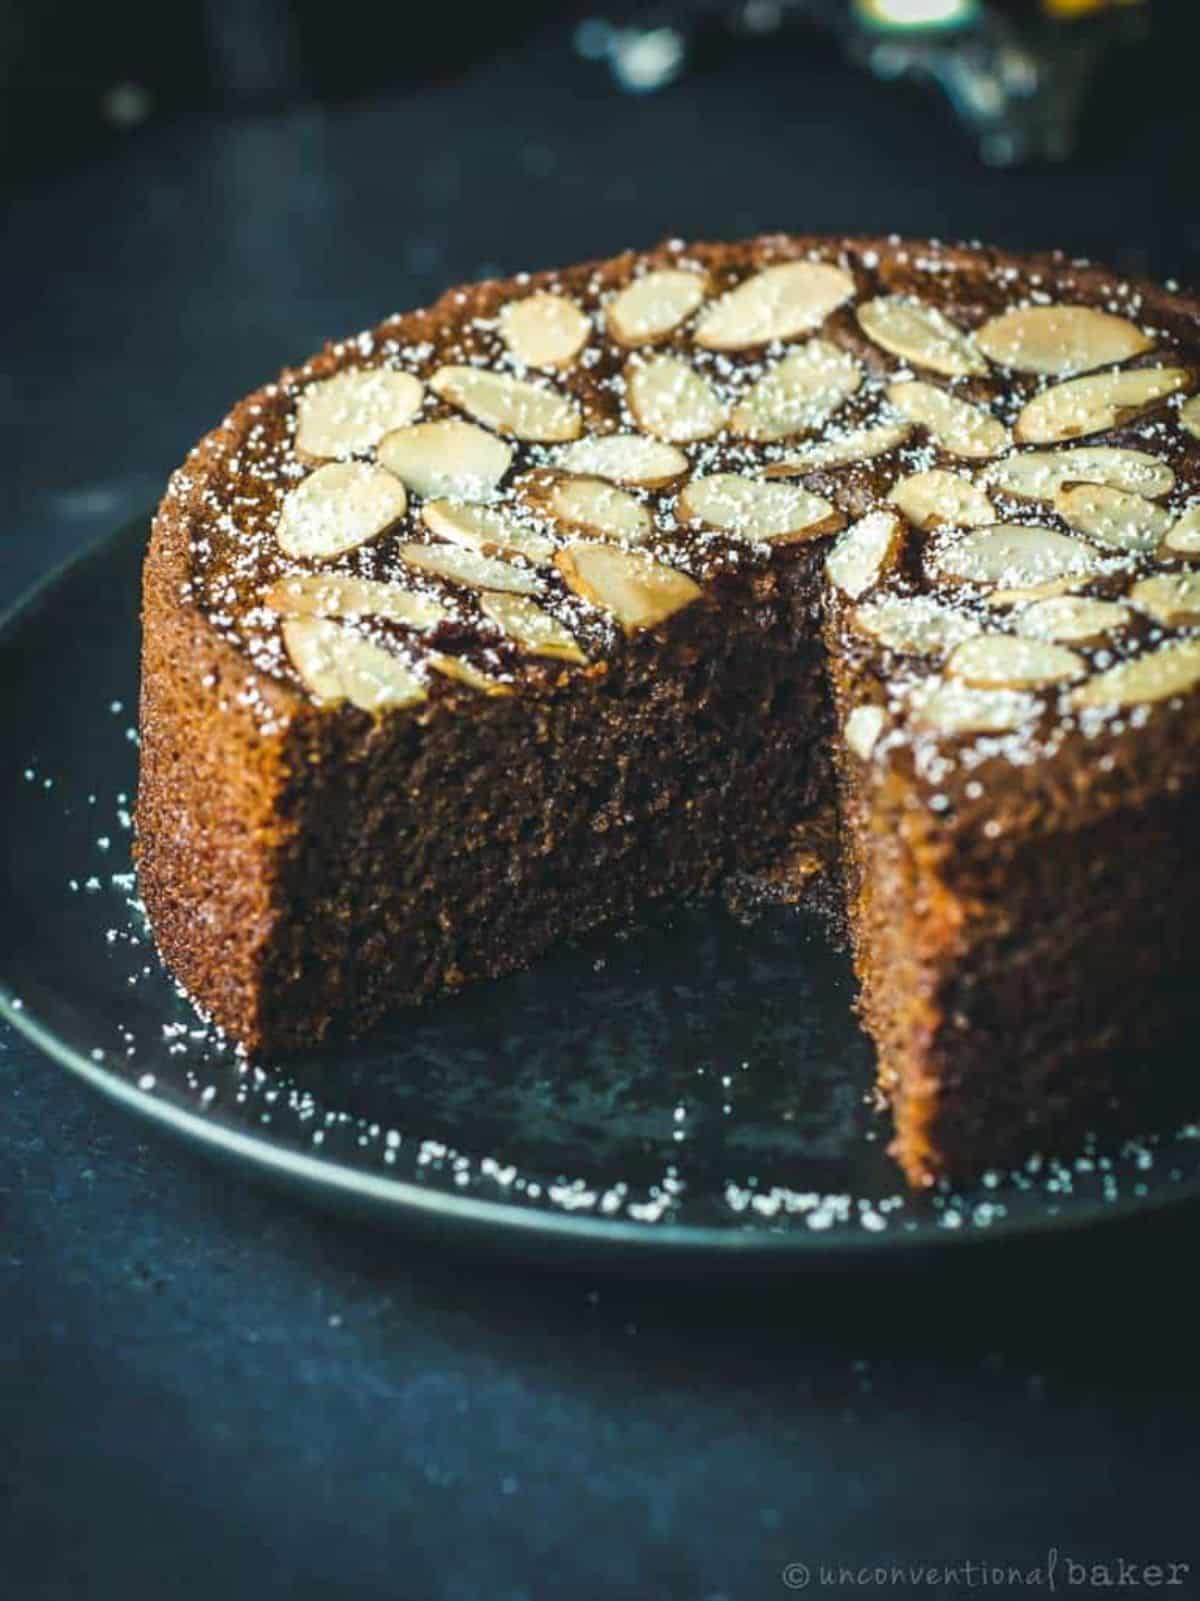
<point x="591" y="588"/>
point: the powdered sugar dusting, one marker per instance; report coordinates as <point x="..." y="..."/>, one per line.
<point x="731" y="370"/>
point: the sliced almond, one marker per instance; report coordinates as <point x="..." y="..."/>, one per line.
<point x="336" y="664"/>
<point x="672" y="401"/>
<point x="1172" y="669"/>
<point x="751" y="509"/>
<point x="482" y="528"/>
<point x="544" y="330"/>
<point x="1113" y="516"/>
<point x="337" y="508"/>
<point x="464" y="673"/>
<point x="638" y="591"/>
<point x="860" y="444"/>
<point x="533" y="629"/>
<point x="798" y="394"/>
<point x="624" y="459"/>
<point x="1189" y="416"/>
<point x="920" y="334"/>
<point x="1051" y="588"/>
<point x="1184" y="536"/>
<point x="1003" y="661"/>
<point x="1095" y="404"/>
<point x="1040" y="474"/>
<point x="340" y="595"/>
<point x="914" y="625"/>
<point x="447" y="458"/>
<point x="652" y="306"/>
<point x="1059" y="339"/>
<point x="951" y="707"/>
<point x="594" y="506"/>
<point x="954" y="424"/>
<point x="1072" y="619"/>
<point x="863" y="728"/>
<point x="777" y="303"/>
<point x="510" y="405"/>
<point x="1172" y="599"/>
<point x="469" y="568"/>
<point x="931" y="498"/>
<point x="353" y="410"/>
<point x="1014" y="554"/>
<point x="864" y="552"/>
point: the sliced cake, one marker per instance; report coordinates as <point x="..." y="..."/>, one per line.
<point x="589" y="588"/>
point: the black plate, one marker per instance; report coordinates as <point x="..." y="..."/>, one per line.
<point x="693" y="1090"/>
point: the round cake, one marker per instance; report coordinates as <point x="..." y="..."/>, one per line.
<point x="588" y="588"/>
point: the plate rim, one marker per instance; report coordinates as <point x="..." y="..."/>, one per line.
<point x="402" y="1200"/>
<point x="497" y="1222"/>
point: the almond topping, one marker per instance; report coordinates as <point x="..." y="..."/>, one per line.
<point x="650" y="307"/>
<point x="336" y="664"/>
<point x="1189" y="416"/>
<point x="1002" y="661"/>
<point x="533" y="629"/>
<point x="1050" y="589"/>
<point x="353" y="410"/>
<point x="952" y="707"/>
<point x="337" y="508"/>
<point x="920" y="334"/>
<point x="491" y="533"/>
<point x="1014" y="554"/>
<point x="930" y="498"/>
<point x="861" y="555"/>
<point x="914" y="625"/>
<point x="447" y="458"/>
<point x="340" y="595"/>
<point x="1059" y="339"/>
<point x="863" y="728"/>
<point x="1184" y="537"/>
<point x="544" y="330"/>
<point x="777" y="303"/>
<point x="672" y="401"/>
<point x="1072" y="619"/>
<point x="956" y="425"/>
<point x="847" y="450"/>
<point x="624" y="459"/>
<point x="509" y="405"/>
<point x="1172" y="669"/>
<point x="638" y="591"/>
<point x="1113" y="517"/>
<point x="469" y="568"/>
<point x="751" y="509"/>
<point x="464" y="673"/>
<point x="1093" y="405"/>
<point x="1040" y="474"/>
<point x="797" y="394"/>
<point x="1172" y="599"/>
<point x="594" y="506"/>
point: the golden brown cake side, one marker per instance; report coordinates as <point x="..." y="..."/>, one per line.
<point x="211" y="828"/>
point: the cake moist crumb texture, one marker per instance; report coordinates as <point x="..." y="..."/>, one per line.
<point x="589" y="588"/>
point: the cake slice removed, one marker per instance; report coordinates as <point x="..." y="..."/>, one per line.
<point x="586" y="589"/>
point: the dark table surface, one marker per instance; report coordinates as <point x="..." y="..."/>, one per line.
<point x="205" y="1391"/>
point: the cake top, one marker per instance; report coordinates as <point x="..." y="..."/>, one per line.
<point x="998" y="458"/>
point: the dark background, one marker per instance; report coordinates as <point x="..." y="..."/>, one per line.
<point x="206" y="1392"/>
